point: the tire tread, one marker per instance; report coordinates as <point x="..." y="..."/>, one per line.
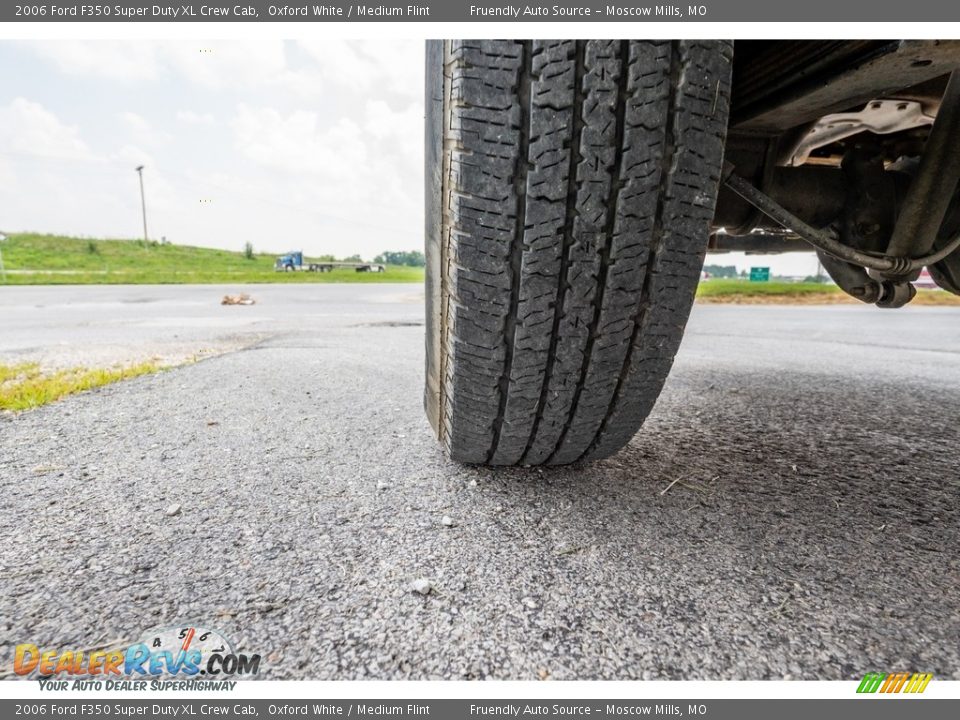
<point x="579" y="182"/>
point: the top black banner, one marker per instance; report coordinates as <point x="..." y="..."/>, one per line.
<point x="462" y="11"/>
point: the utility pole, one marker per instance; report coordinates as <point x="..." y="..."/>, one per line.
<point x="143" y="202"/>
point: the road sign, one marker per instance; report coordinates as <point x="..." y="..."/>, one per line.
<point x="759" y="274"/>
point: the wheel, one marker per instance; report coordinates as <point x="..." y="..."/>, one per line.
<point x="288" y="268"/>
<point x="570" y="189"/>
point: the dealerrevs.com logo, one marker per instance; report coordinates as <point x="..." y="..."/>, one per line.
<point x="192" y="653"/>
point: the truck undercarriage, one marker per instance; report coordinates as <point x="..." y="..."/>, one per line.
<point x="852" y="147"/>
<point x="572" y="187"/>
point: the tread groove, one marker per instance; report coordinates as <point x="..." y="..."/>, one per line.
<point x="667" y="175"/>
<point x="570" y="214"/>
<point x="516" y="255"/>
<point x="611" y="215"/>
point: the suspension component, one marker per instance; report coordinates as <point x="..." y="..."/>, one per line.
<point x="933" y="186"/>
<point x="893" y="269"/>
<point x="826" y="240"/>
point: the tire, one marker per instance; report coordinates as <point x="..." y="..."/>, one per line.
<point x="570" y="190"/>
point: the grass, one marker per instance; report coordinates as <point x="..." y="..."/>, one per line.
<point x="787" y="293"/>
<point x="747" y="289"/>
<point x="35" y="259"/>
<point x="26" y="386"/>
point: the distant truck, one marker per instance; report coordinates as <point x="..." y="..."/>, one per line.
<point x="294" y="261"/>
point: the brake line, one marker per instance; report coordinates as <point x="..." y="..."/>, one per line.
<point x="826" y="241"/>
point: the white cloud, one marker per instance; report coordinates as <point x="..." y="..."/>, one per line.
<point x="312" y="146"/>
<point x="96" y="193"/>
<point x="383" y="122"/>
<point x="27" y="127"/>
<point x="218" y="64"/>
<point x="117" y="59"/>
<point x="297" y="143"/>
<point x="135" y="122"/>
<point x="389" y="66"/>
<point x="340" y="177"/>
<point x="393" y="67"/>
<point x="141" y="130"/>
<point x="212" y="64"/>
<point x="132" y="155"/>
<point x="61" y="184"/>
<point x="8" y="177"/>
<point x="188" y="117"/>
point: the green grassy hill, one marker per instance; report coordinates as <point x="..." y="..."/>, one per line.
<point x="33" y="259"/>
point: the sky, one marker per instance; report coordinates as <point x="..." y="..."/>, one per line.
<point x="288" y="145"/>
<point x="313" y="145"/>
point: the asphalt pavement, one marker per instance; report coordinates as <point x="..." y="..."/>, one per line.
<point x="790" y="509"/>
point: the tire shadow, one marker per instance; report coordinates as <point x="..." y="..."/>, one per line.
<point x="807" y="532"/>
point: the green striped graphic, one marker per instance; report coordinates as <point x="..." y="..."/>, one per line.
<point x="871" y="682"/>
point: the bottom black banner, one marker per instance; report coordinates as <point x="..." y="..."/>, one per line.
<point x="874" y="708"/>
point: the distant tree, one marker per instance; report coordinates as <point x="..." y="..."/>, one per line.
<point x="721" y="271"/>
<point x="92" y="248"/>
<point x="411" y="258"/>
<point x="353" y="258"/>
<point x="248" y="250"/>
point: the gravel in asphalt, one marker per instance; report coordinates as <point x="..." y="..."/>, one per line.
<point x="788" y="511"/>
